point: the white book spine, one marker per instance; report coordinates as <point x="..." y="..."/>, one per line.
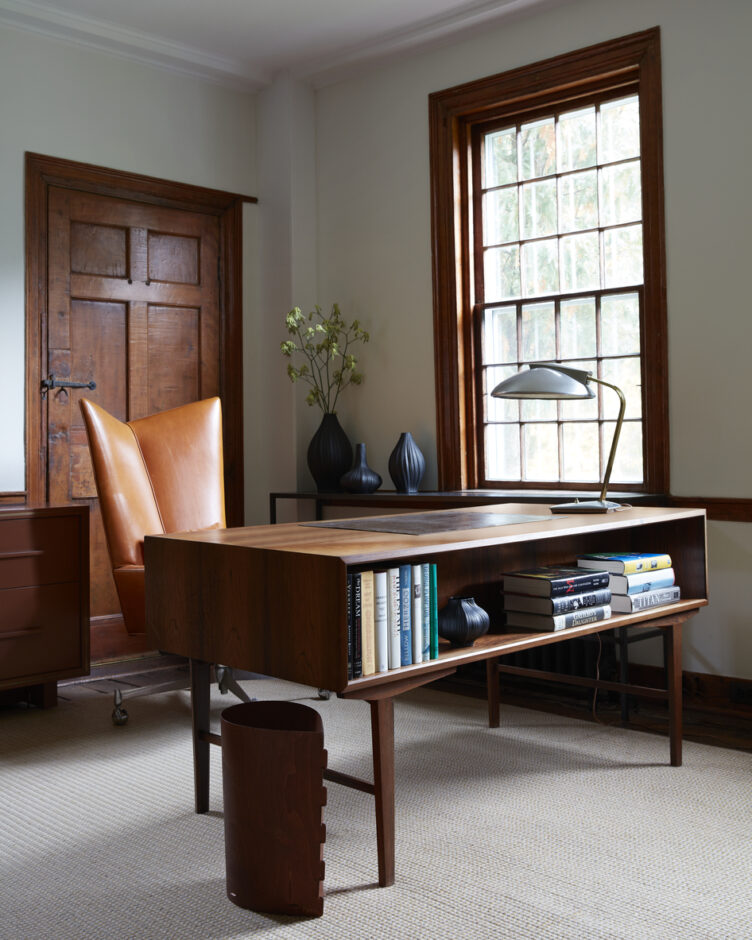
<point x="393" y="608"/>
<point x="417" y="613"/>
<point x="381" y="620"/>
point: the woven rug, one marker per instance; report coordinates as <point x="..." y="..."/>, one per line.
<point x="544" y="828"/>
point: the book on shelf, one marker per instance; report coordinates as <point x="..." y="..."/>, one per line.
<point x="625" y="562"/>
<point x="406" y="634"/>
<point x="642" y="582"/>
<point x="350" y="626"/>
<point x="367" y="623"/>
<point x="380" y="621"/>
<point x="630" y="603"/>
<point x="554" y="582"/>
<point x="543" y="623"/>
<point x="393" y="608"/>
<point x="434" y="612"/>
<point x="556" y="605"/>
<point x="357" y="610"/>
<point x="425" y="612"/>
<point x="416" y="616"/>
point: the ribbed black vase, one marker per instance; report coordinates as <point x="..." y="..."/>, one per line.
<point x="462" y="621"/>
<point x="406" y="464"/>
<point x="361" y="479"/>
<point x="329" y="454"/>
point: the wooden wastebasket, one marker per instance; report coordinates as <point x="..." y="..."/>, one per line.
<point x="273" y="762"/>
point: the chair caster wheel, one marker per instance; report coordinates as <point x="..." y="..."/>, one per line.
<point x="119" y="715"/>
<point x="325" y="694"/>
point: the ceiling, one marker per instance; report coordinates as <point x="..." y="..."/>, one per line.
<point x="244" y="43"/>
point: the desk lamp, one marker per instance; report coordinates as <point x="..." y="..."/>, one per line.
<point x="551" y="380"/>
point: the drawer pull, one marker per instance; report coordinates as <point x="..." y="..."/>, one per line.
<point x="30" y="554"/>
<point x="14" y="634"/>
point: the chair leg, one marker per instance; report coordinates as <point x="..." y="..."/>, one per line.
<point x="200" y="695"/>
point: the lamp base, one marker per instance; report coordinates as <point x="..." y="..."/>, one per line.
<point x="588" y="505"/>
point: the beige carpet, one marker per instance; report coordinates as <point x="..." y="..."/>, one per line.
<point x="543" y="828"/>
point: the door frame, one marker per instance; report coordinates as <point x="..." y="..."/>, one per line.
<point x="42" y="172"/>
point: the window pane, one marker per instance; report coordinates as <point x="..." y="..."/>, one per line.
<point x="502" y="273"/>
<point x="540" y="268"/>
<point x="537" y="409"/>
<point x="500" y="335"/>
<point x="625" y="374"/>
<point x="619" y="130"/>
<point x="537" y="149"/>
<point x="622" y="250"/>
<point x="580" y="453"/>
<point x="538" y="333"/>
<point x="628" y="461"/>
<point x="499" y="409"/>
<point x="577" y="328"/>
<point x="581" y="409"/>
<point x="621" y="195"/>
<point x="539" y="209"/>
<point x="620" y="324"/>
<point x="500" y="216"/>
<point x="580" y="262"/>
<point x="500" y="164"/>
<point x="541" y="443"/>
<point x="576" y="140"/>
<point x="578" y="201"/>
<point x="502" y="443"/>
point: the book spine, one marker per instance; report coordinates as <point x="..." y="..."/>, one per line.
<point x="641" y="583"/>
<point x="426" y="613"/>
<point x="655" y="598"/>
<point x="434" y="607"/>
<point x="349" y="626"/>
<point x="393" y="609"/>
<point x="406" y="642"/>
<point x="647" y="563"/>
<point x="591" y="581"/>
<point x="381" y="620"/>
<point x="416" y="615"/>
<point x="367" y="623"/>
<point x="562" y="605"/>
<point x="357" y="617"/>
<point x="579" y="617"/>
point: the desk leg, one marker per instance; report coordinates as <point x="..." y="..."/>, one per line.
<point x="672" y="638"/>
<point x="382" y="736"/>
<point x="200" y="696"/>
<point x="492" y="690"/>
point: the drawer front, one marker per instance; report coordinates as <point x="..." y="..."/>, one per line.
<point x="39" y="630"/>
<point x="42" y="550"/>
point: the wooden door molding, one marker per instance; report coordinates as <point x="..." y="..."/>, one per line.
<point x="43" y="172"/>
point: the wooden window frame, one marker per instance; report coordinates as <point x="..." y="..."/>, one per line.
<point x="453" y="115"/>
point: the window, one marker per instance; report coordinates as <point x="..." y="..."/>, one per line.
<point x="548" y="246"/>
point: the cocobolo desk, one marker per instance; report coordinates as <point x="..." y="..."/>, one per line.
<point x="272" y="599"/>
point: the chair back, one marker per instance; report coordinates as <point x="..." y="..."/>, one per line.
<point x="163" y="473"/>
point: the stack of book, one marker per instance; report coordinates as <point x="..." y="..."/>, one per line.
<point x="392" y="619"/>
<point x="555" y="598"/>
<point x="637" y="580"/>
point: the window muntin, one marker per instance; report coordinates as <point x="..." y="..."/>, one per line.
<point x="560" y="277"/>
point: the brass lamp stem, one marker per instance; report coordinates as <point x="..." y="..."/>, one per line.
<point x="617" y="431"/>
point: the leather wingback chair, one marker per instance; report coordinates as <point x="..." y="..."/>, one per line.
<point x="162" y="473"/>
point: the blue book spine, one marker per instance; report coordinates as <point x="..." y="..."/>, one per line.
<point x="406" y="634"/>
<point x="426" y="573"/>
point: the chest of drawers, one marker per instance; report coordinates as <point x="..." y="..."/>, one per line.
<point x="44" y="598"/>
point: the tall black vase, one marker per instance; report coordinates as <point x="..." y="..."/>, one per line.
<point x="361" y="479"/>
<point x="329" y="454"/>
<point x="406" y="464"/>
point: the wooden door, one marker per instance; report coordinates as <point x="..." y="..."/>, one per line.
<point x="133" y="306"/>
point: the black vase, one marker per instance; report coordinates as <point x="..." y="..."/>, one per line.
<point x="406" y="464"/>
<point x="361" y="479"/>
<point x="462" y="621"/>
<point x="329" y="454"/>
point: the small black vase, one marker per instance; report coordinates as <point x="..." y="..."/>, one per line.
<point x="406" y="464"/>
<point x="462" y="621"/>
<point x="361" y="479"/>
<point x="329" y="454"/>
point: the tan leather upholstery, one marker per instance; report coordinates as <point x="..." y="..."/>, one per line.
<point x="158" y="474"/>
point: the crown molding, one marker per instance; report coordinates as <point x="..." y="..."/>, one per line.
<point x="131" y="44"/>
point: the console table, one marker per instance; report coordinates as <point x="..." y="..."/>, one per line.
<point x="272" y="599"/>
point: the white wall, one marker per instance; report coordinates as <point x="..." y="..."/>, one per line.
<point x="65" y="101"/>
<point x="374" y="252"/>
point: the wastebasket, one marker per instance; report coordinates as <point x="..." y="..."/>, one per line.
<point x="273" y="762"/>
